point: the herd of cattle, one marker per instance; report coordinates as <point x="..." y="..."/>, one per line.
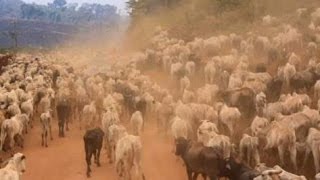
<point x="237" y="98"/>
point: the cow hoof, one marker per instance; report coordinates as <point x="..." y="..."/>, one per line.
<point x="46" y="146"/>
<point x="98" y="164"/>
<point x="51" y="139"/>
<point x="88" y="175"/>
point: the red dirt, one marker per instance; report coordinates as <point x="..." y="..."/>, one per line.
<point x="64" y="159"/>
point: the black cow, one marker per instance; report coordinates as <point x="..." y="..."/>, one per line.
<point x="141" y="105"/>
<point x="93" y="143"/>
<point x="37" y="97"/>
<point x="64" y="111"/>
<point x="234" y="170"/>
<point x="242" y="98"/>
<point x="274" y="88"/>
<point x="199" y="159"/>
<point x="303" y="80"/>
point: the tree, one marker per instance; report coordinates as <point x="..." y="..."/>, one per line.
<point x="13" y="34"/>
<point x="59" y="3"/>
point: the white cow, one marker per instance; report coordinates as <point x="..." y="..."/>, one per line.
<point x="230" y="116"/>
<point x="205" y="130"/>
<point x="129" y="158"/>
<point x="180" y="128"/>
<point x="45" y="120"/>
<point x="10" y="128"/>
<point x="137" y="123"/>
<point x="284" y="175"/>
<point x="115" y="133"/>
<point x="89" y="115"/>
<point x="249" y="145"/>
<point x="209" y="72"/>
<point x="313" y="145"/>
<point x="15" y="168"/>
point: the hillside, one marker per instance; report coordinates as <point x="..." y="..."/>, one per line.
<point x="48" y="25"/>
<point x="10" y="8"/>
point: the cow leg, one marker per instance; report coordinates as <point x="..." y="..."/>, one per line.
<point x="281" y="154"/>
<point x="80" y="121"/>
<point x="105" y="143"/>
<point x="62" y="129"/>
<point x="256" y="157"/>
<point x="46" y="138"/>
<point x="88" y="159"/>
<point x="98" y="157"/>
<point x="42" y="139"/>
<point x="241" y="152"/>
<point x="11" y="141"/>
<point x="59" y="130"/>
<point x="189" y="173"/>
<point x="248" y="156"/>
<point x="113" y="156"/>
<point x="293" y="156"/>
<point x="315" y="154"/>
<point x="143" y="176"/>
<point x="231" y="131"/>
<point x="195" y="176"/>
<point x="59" y="125"/>
<point x="31" y="121"/>
<point x="67" y="124"/>
<point x="50" y="132"/>
<point x="2" y="139"/>
<point x="95" y="156"/>
<point x="204" y="176"/>
<point x="306" y="156"/>
<point x="110" y="149"/>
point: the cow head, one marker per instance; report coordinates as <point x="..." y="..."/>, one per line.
<point x="19" y="160"/>
<point x="181" y="146"/>
<point x="229" y="167"/>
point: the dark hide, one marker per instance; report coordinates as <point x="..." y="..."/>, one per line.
<point x="274" y="89"/>
<point x="243" y="99"/>
<point x="234" y="170"/>
<point x="93" y="140"/>
<point x="63" y="111"/>
<point x="199" y="159"/>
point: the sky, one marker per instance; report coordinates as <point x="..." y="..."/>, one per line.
<point x="120" y="4"/>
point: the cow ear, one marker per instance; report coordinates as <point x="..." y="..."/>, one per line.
<point x="23" y="157"/>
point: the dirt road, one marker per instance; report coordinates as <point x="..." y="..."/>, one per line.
<point x="64" y="159"/>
